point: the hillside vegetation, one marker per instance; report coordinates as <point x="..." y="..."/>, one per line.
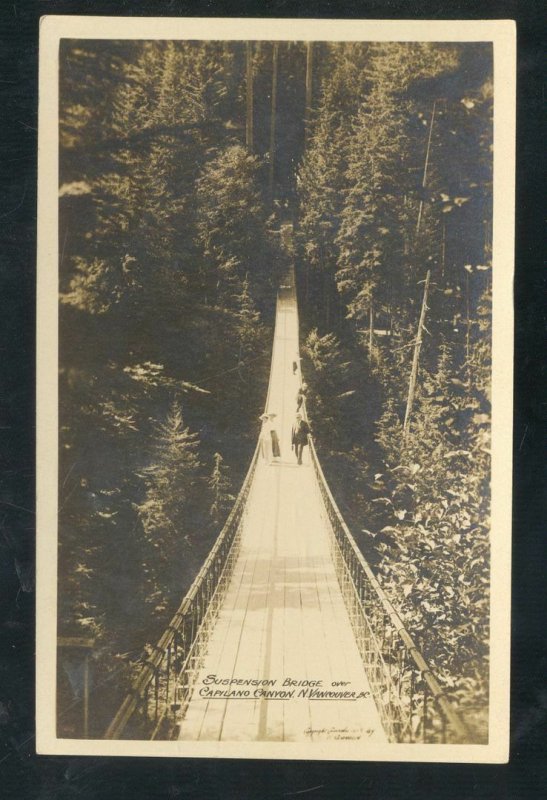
<point x="396" y="183"/>
<point x="169" y="265"/>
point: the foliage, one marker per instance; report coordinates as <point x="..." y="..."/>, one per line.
<point x="168" y="510"/>
<point x="167" y="280"/>
<point x="429" y="522"/>
<point x="231" y="223"/>
<point x="220" y="485"/>
<point x="93" y="288"/>
<point x="395" y="180"/>
<point x="155" y="312"/>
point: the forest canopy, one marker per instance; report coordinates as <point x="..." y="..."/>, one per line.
<point x="175" y="174"/>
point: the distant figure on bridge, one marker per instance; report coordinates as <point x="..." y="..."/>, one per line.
<point x="299" y="436"/>
<point x="294" y="367"/>
<point x="266" y="439"/>
<point x="276" y="450"/>
<point x="301" y="396"/>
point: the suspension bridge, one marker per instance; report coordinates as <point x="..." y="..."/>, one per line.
<point x="285" y="634"/>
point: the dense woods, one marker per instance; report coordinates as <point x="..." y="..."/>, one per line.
<point x="168" y="277"/>
<point x="396" y="183"/>
<point x="176" y="170"/>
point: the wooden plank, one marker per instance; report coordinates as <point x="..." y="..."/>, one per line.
<point x="224" y="645"/>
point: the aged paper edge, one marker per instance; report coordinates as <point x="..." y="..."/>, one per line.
<point x="502" y="33"/>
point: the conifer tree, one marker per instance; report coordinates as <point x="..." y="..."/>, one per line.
<point x="169" y="508"/>
<point x="322" y="180"/>
<point x="329" y="386"/>
<point x="220" y="486"/>
<point x="171" y="477"/>
<point x="231" y="220"/>
<point x="249" y="326"/>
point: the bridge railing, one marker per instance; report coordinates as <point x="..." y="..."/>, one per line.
<point x="163" y="685"/>
<point x="412" y="705"/>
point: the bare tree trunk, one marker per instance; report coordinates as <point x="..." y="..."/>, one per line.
<point x="391" y="304"/>
<point x="326" y="299"/>
<point x="272" y="118"/>
<point x="249" y="122"/>
<point x="487" y="249"/>
<point x="426" y="164"/>
<point x="467" y="331"/>
<point x="370" y="332"/>
<point x="86" y="696"/>
<point x="309" y="85"/>
<point x="415" y="360"/>
<point x="443" y="249"/>
<point x="405" y="231"/>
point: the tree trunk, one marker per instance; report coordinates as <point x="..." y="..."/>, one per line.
<point x="415" y="360"/>
<point x="443" y="249"/>
<point x="309" y="88"/>
<point x="487" y="249"/>
<point x="467" y="332"/>
<point x="249" y="122"/>
<point x="370" y="332"/>
<point x="326" y="299"/>
<point x="426" y="164"/>
<point x="272" y="119"/>
<point x="406" y="231"/>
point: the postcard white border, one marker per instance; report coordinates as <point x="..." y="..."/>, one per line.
<point x="502" y="33"/>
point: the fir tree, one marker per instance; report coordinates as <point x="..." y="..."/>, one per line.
<point x="329" y="386"/>
<point x="220" y="486"/>
<point x="249" y="326"/>
<point x="170" y="509"/>
<point x="231" y="221"/>
<point x="170" y="478"/>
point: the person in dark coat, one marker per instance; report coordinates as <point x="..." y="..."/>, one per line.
<point x="299" y="437"/>
<point x="276" y="450"/>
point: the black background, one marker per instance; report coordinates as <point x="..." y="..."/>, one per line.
<point x="23" y="774"/>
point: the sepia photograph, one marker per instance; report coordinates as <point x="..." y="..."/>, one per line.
<point x="274" y="382"/>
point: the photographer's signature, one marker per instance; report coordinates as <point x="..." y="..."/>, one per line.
<point x="339" y="733"/>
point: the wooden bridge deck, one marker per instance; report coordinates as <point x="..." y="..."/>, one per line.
<point x="283" y="617"/>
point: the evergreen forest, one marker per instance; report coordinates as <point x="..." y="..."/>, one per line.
<point x="179" y="162"/>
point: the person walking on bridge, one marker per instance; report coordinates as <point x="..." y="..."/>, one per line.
<point x="276" y="449"/>
<point x="301" y="396"/>
<point x="299" y="437"/>
<point x="266" y="439"/>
